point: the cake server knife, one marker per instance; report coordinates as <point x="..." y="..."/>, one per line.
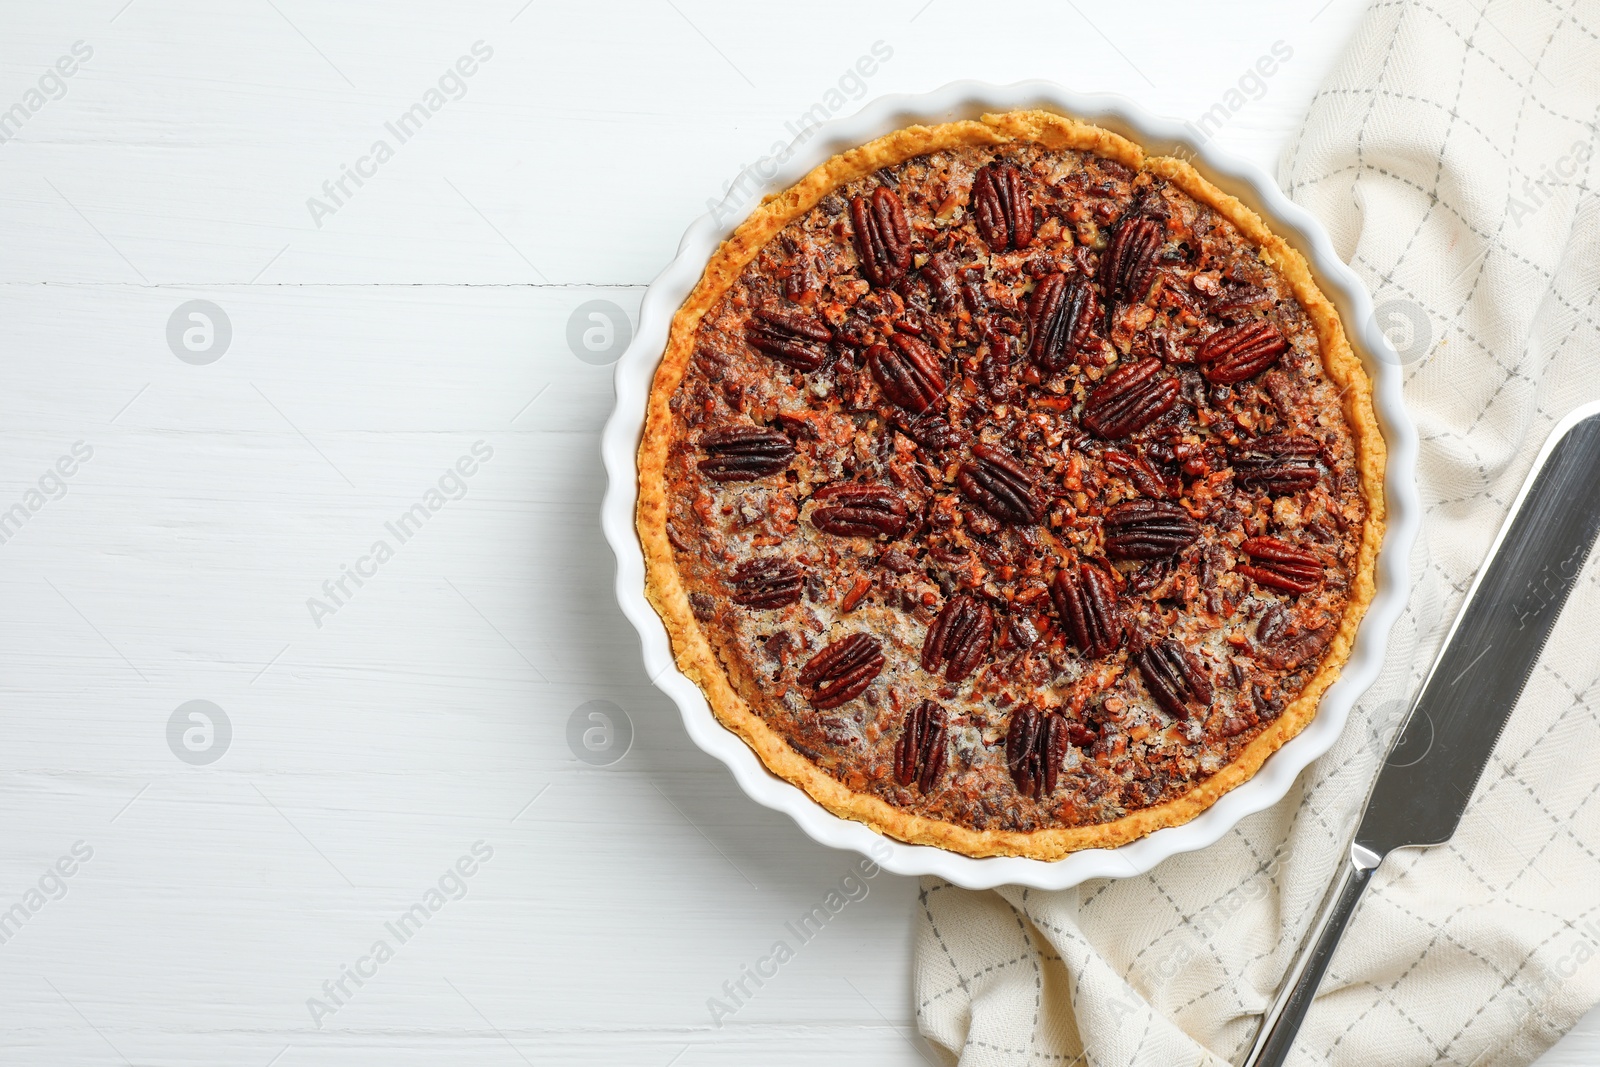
<point x="1441" y="749"/>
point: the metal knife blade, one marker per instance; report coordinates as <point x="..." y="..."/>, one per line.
<point x="1443" y="746"/>
<point x="1445" y="743"/>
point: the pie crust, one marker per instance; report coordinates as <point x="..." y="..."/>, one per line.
<point x="735" y="681"/>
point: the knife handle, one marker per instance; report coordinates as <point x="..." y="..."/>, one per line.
<point x="1282" y="1021"/>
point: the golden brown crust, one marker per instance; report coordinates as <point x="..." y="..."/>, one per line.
<point x="691" y="648"/>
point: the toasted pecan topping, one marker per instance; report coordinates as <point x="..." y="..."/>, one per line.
<point x="843" y="670"/>
<point x="1127" y="270"/>
<point x="883" y="237"/>
<point x="1005" y="492"/>
<point x="766" y="583"/>
<point x="793" y="339"/>
<point x="1148" y="529"/>
<point x="1130" y="399"/>
<point x="907" y="371"/>
<point x="1238" y="352"/>
<point x="1003" y="208"/>
<point x="858" y="511"/>
<point x="1061" y="315"/>
<point x="921" y="752"/>
<point x="959" y="638"/>
<point x="1036" y="746"/>
<point x="1175" y="678"/>
<point x="1280" y="565"/>
<point x="1086" y="601"/>
<point x="744" y="453"/>
<point x="998" y="484"/>
<point x="1277" y="464"/>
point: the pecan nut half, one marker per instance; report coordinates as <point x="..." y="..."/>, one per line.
<point x="1061" y="314"/>
<point x="744" y="453"/>
<point x="920" y="754"/>
<point x="1135" y="466"/>
<point x="1086" y="601"/>
<point x="1290" y="653"/>
<point x="1127" y="269"/>
<point x="795" y="340"/>
<point x="883" y="236"/>
<point x="939" y="272"/>
<point x="907" y="371"/>
<point x="932" y="432"/>
<point x="858" y="511"/>
<point x="998" y="484"/>
<point x="959" y="638"/>
<point x="842" y="671"/>
<point x="1175" y="678"/>
<point x="994" y="370"/>
<point x="1280" y="565"/>
<point x="1148" y="529"/>
<point x="1003" y="209"/>
<point x="1235" y="353"/>
<point x="1277" y="465"/>
<point x="1130" y="399"/>
<point x="1036" y="747"/>
<point x="766" y="583"/>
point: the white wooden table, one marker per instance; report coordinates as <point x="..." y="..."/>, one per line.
<point x="176" y="491"/>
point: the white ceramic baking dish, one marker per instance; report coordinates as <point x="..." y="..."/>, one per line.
<point x="962" y="100"/>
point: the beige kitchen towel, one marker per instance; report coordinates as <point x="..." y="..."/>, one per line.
<point x="1451" y="157"/>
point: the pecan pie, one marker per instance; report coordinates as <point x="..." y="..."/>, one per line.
<point x="1010" y="489"/>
